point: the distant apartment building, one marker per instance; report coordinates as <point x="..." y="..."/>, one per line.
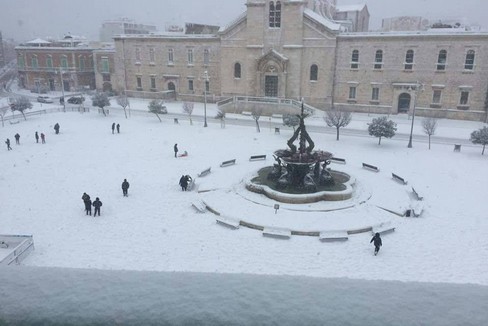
<point x="121" y="27"/>
<point x="49" y="65"/>
<point x="404" y="23"/>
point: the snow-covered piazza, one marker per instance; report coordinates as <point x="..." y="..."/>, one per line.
<point x="157" y="228"/>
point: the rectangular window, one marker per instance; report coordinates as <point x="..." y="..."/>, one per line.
<point x="170" y="56"/>
<point x="409" y="60"/>
<point x="190" y="84"/>
<point x="375" y="94"/>
<point x="34" y="63"/>
<point x="64" y="62"/>
<point x="105" y="65"/>
<point x="106" y="77"/>
<point x="469" y="61"/>
<point x="138" y="54"/>
<point x="207" y="86"/>
<point x="442" y="60"/>
<point x="190" y="56"/>
<point x="151" y="55"/>
<point x="139" y="83"/>
<point x="206" y="56"/>
<point x="436" y="96"/>
<point x="355" y="59"/>
<point x="20" y="61"/>
<point x="378" y="60"/>
<point x="82" y="64"/>
<point x="464" y="98"/>
<point x="49" y="62"/>
<point x="352" y="92"/>
<point x="153" y="83"/>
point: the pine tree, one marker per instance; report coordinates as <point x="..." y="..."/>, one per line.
<point x="381" y="127"/>
<point x="101" y="100"/>
<point x="480" y="137"/>
<point x="157" y="107"/>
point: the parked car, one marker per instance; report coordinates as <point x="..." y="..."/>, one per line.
<point x="44" y="99"/>
<point x="76" y="99"/>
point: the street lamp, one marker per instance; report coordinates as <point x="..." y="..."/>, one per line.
<point x="205" y="76"/>
<point x="418" y="86"/>
<point x="62" y="89"/>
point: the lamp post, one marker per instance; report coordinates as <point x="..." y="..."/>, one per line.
<point x="62" y="89"/>
<point x="417" y="86"/>
<point x="205" y="76"/>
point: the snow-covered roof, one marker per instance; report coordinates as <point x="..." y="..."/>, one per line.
<point x="357" y="7"/>
<point x="38" y="41"/>
<point x="234" y="22"/>
<point x="322" y="20"/>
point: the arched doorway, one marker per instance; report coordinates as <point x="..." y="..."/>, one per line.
<point x="171" y="86"/>
<point x="404" y="103"/>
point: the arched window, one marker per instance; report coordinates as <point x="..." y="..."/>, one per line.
<point x="206" y="57"/>
<point x="34" y="62"/>
<point x="171" y="86"/>
<point x="49" y="62"/>
<point x="442" y="60"/>
<point x="355" y="59"/>
<point x="409" y="60"/>
<point x="274" y="14"/>
<point x="314" y="72"/>
<point x="469" y="62"/>
<point x="64" y="62"/>
<point x="20" y="61"/>
<point x="82" y="63"/>
<point x="378" y="59"/>
<point x="237" y="70"/>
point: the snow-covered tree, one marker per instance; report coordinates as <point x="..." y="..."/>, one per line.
<point x="480" y="137"/>
<point x="291" y="120"/>
<point x="123" y="101"/>
<point x="338" y="119"/>
<point x="20" y="104"/>
<point x="3" y="112"/>
<point x="157" y="107"/>
<point x="221" y="116"/>
<point x="188" y="109"/>
<point x="382" y="127"/>
<point x="429" y="125"/>
<point x="101" y="100"/>
<point x="256" y="114"/>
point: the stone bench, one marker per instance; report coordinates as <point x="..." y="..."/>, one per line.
<point x="199" y="205"/>
<point x="457" y="148"/>
<point x="338" y="160"/>
<point x="227" y="222"/>
<point x="277" y="116"/>
<point x="257" y="157"/>
<point x="331" y="236"/>
<point x="176" y="122"/>
<point x="204" y="172"/>
<point x="228" y="163"/>
<point x="398" y="179"/>
<point x="277" y="130"/>
<point x="416" y="194"/>
<point x="370" y="167"/>
<point x="14" y="122"/>
<point x="277" y="233"/>
<point x="383" y="228"/>
<point x="246" y="113"/>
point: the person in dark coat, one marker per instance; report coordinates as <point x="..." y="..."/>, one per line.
<point x="17" y="138"/>
<point x="37" y="137"/>
<point x="113" y="128"/>
<point x="87" y="201"/>
<point x="118" y="128"/>
<point x="8" y="144"/>
<point x="56" y="128"/>
<point x="176" y="150"/>
<point x="43" y="138"/>
<point x="125" y="188"/>
<point x="88" y="205"/>
<point x="377" y="243"/>
<point x="97" y="204"/>
<point x="183" y="183"/>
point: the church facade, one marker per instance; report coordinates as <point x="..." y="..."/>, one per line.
<point x="293" y="49"/>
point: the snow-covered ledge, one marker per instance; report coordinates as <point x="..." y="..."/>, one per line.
<point x="305" y="198"/>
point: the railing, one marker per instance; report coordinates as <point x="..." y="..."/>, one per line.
<point x="267" y="100"/>
<point x="20" y="246"/>
<point x="45" y="111"/>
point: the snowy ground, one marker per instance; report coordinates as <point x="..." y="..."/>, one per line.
<point x="157" y="229"/>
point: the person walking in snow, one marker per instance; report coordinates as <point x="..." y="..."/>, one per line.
<point x="113" y="128"/>
<point x="56" y="128"/>
<point x="97" y="204"/>
<point x="118" y="128"/>
<point x="176" y="150"/>
<point x="43" y="138"/>
<point x="17" y="138"/>
<point x="37" y="137"/>
<point x="8" y="144"/>
<point x="125" y="188"/>
<point x="88" y="205"/>
<point x="377" y="243"/>
<point x="183" y="183"/>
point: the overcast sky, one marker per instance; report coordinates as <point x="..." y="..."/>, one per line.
<point x="24" y="20"/>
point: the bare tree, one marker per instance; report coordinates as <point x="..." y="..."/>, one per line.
<point x="480" y="137"/>
<point x="338" y="119"/>
<point x="3" y="112"/>
<point x="221" y="116"/>
<point x="188" y="109"/>
<point x="157" y="107"/>
<point x="123" y="101"/>
<point x="21" y="104"/>
<point x="429" y="125"/>
<point x="256" y="114"/>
